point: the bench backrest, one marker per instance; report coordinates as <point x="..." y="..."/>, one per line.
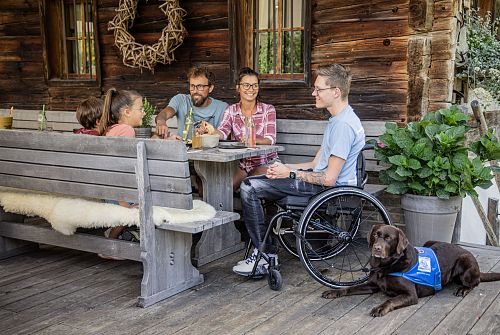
<point x="94" y="166"/>
<point x="302" y="140"/>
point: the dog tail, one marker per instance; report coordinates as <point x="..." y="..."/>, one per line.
<point x="490" y="276"/>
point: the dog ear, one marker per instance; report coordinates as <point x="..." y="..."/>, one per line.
<point x="402" y="241"/>
<point x="370" y="234"/>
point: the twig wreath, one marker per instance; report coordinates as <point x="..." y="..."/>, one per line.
<point x="143" y="55"/>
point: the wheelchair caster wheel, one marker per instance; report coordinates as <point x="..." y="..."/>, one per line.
<point x="274" y="280"/>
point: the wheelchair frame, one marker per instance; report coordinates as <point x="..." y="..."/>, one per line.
<point x="319" y="217"/>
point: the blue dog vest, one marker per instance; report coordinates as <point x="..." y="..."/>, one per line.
<point x="425" y="272"/>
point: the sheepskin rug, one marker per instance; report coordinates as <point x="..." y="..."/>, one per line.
<point x="66" y="214"/>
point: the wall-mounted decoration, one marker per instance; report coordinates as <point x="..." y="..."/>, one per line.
<point x="142" y="55"/>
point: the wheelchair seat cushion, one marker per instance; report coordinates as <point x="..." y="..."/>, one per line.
<point x="294" y="200"/>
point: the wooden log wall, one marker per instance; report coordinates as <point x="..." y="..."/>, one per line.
<point x="401" y="53"/>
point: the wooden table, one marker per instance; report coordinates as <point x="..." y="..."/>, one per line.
<point x="215" y="168"/>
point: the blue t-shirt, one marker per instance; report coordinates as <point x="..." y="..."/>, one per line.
<point x="212" y="113"/>
<point x="344" y="137"/>
<point x="426" y="270"/>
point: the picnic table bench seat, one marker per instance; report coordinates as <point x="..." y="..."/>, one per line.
<point x="146" y="172"/>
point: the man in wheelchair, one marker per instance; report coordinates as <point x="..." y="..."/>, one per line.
<point x="333" y="165"/>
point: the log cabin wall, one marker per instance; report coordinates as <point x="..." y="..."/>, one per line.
<point x="401" y="53"/>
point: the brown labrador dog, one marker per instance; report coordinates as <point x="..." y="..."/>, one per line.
<point x="391" y="252"/>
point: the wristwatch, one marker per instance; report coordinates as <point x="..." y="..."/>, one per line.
<point x="293" y="174"/>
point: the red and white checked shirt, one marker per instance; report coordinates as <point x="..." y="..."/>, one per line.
<point x="264" y="121"/>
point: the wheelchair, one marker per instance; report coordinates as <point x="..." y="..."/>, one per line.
<point x="327" y="231"/>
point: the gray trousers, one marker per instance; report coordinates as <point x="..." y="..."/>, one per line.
<point x="255" y="189"/>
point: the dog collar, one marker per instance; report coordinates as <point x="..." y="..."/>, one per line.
<point x="426" y="270"/>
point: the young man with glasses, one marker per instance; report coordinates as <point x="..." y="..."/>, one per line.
<point x="205" y="108"/>
<point x="334" y="164"/>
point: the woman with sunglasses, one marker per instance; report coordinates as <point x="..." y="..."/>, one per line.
<point x="233" y="123"/>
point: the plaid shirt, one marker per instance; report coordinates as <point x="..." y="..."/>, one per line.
<point x="264" y="121"/>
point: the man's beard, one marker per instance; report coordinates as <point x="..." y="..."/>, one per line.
<point x="200" y="100"/>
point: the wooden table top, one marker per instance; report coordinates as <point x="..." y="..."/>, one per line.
<point x="228" y="155"/>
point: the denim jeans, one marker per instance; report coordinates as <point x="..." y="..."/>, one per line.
<point x="255" y="189"/>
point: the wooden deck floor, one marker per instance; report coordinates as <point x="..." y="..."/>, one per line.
<point x="58" y="291"/>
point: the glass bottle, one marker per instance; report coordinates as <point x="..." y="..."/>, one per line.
<point x="187" y="133"/>
<point x="249" y="132"/>
<point x="42" y="119"/>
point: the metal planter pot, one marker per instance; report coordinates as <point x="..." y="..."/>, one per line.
<point x="429" y="218"/>
<point x="143" y="132"/>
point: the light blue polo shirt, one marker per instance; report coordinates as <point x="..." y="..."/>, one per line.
<point x="212" y="113"/>
<point x="344" y="137"/>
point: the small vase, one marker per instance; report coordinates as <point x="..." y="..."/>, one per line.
<point x="143" y="132"/>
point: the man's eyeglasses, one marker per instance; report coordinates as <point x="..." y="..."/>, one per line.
<point x="317" y="89"/>
<point x="247" y="86"/>
<point x="199" y="87"/>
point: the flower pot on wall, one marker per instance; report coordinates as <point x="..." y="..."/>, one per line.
<point x="429" y="218"/>
<point x="143" y="132"/>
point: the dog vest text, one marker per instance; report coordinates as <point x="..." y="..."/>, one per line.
<point x="426" y="270"/>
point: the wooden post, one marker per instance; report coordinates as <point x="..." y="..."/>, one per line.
<point x="492" y="217"/>
<point x="483" y="130"/>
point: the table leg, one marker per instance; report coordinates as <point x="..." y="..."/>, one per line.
<point x="217" y="180"/>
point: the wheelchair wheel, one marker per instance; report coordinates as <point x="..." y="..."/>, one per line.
<point x="332" y="242"/>
<point x="274" y="280"/>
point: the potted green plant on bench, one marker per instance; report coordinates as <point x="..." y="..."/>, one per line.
<point x="144" y="130"/>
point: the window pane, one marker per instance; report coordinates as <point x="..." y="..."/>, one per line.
<point x="80" y="54"/>
<point x="266" y="12"/>
<point x="293" y="53"/>
<point x="292" y="13"/>
<point x="279" y="37"/>
<point x="266" y="53"/>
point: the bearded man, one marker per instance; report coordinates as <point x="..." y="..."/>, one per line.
<point x="205" y="108"/>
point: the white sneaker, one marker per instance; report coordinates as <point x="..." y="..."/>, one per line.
<point x="245" y="267"/>
<point x="255" y="250"/>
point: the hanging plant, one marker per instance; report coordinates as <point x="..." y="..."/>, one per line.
<point x="142" y="55"/>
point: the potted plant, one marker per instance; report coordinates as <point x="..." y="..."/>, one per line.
<point x="430" y="166"/>
<point x="144" y="130"/>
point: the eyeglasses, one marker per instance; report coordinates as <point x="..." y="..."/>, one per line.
<point x="317" y="89"/>
<point x="199" y="87"/>
<point x="247" y="86"/>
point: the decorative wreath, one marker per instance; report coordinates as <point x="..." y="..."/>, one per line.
<point x="146" y="56"/>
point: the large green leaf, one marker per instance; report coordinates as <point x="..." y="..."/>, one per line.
<point x="402" y="139"/>
<point x="399" y="160"/>
<point x="401" y="171"/>
<point x="397" y="188"/>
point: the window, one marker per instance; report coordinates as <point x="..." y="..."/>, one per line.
<point x="279" y="38"/>
<point x="70" y="41"/>
<point x="273" y="37"/>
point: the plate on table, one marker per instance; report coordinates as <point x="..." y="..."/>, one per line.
<point x="231" y="145"/>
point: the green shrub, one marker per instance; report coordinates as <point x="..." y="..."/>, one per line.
<point x="430" y="157"/>
<point x="483" y="57"/>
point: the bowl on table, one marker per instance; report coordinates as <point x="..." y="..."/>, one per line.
<point x="209" y="141"/>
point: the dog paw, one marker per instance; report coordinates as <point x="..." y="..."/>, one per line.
<point x="332" y="294"/>
<point x="378" y="311"/>
<point x="462" y="291"/>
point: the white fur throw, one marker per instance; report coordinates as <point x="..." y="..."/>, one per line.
<point x="66" y="213"/>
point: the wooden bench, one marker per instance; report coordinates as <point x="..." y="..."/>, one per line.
<point x="147" y="172"/>
<point x="302" y="140"/>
